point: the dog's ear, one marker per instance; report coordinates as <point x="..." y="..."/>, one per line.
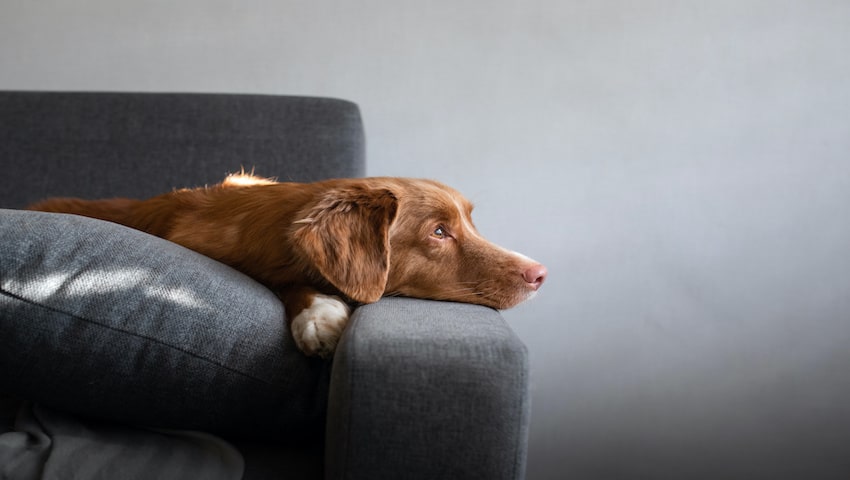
<point x="345" y="235"/>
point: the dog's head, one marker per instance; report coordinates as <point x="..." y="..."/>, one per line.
<point x="412" y="238"/>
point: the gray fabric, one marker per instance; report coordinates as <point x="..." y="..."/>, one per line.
<point x="272" y="461"/>
<point x="102" y="320"/>
<point x="101" y="145"/>
<point x="428" y="390"/>
<point x="46" y="444"/>
<point x="107" y="322"/>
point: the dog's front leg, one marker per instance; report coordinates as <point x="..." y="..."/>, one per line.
<point x="316" y="320"/>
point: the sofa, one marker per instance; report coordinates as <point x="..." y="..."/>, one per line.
<point x="123" y="355"/>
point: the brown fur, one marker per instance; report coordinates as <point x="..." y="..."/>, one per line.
<point x="359" y="238"/>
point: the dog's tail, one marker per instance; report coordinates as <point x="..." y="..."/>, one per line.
<point x="114" y="210"/>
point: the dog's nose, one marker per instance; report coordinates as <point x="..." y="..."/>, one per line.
<point x="535" y="275"/>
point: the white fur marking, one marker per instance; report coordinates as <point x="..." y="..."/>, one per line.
<point x="246" y="180"/>
<point x="521" y="256"/>
<point x="318" y="327"/>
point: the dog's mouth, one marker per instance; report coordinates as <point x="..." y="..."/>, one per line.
<point x="502" y="300"/>
<point x="492" y="293"/>
<point x="529" y="283"/>
<point x="488" y="293"/>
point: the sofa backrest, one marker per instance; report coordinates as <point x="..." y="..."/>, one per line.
<point x="137" y="145"/>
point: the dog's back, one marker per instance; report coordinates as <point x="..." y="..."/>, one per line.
<point x="354" y="238"/>
<point x="116" y="210"/>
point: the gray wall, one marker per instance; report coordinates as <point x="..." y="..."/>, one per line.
<point x="681" y="167"/>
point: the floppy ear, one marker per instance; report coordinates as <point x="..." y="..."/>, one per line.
<point x="345" y="235"/>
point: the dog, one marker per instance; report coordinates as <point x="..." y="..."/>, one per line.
<point x="327" y="246"/>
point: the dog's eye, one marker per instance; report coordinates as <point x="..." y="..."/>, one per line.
<point x="439" y="232"/>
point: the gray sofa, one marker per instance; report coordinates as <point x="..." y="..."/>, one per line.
<point x="123" y="335"/>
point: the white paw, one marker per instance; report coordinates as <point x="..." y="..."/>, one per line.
<point x="318" y="327"/>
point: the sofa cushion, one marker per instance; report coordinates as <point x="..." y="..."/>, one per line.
<point x="105" y="321"/>
<point x="137" y="145"/>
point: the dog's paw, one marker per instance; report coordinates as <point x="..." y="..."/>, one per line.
<point x="317" y="328"/>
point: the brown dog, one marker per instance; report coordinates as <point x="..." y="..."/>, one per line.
<point x="319" y="243"/>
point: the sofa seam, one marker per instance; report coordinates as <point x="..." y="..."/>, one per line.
<point x="350" y="360"/>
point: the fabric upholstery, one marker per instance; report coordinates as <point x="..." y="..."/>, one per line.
<point x="110" y="322"/>
<point x="102" y="321"/>
<point x="46" y="444"/>
<point x="102" y="145"/>
<point x="430" y="389"/>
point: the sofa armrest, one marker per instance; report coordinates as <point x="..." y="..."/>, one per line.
<point x="428" y="390"/>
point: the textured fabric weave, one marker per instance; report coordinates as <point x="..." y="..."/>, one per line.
<point x="103" y="145"/>
<point x="428" y="390"/>
<point x="106" y="321"/>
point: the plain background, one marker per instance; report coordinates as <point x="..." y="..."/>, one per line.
<point x="680" y="166"/>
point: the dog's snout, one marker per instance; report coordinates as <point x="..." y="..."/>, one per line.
<point x="535" y="275"/>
